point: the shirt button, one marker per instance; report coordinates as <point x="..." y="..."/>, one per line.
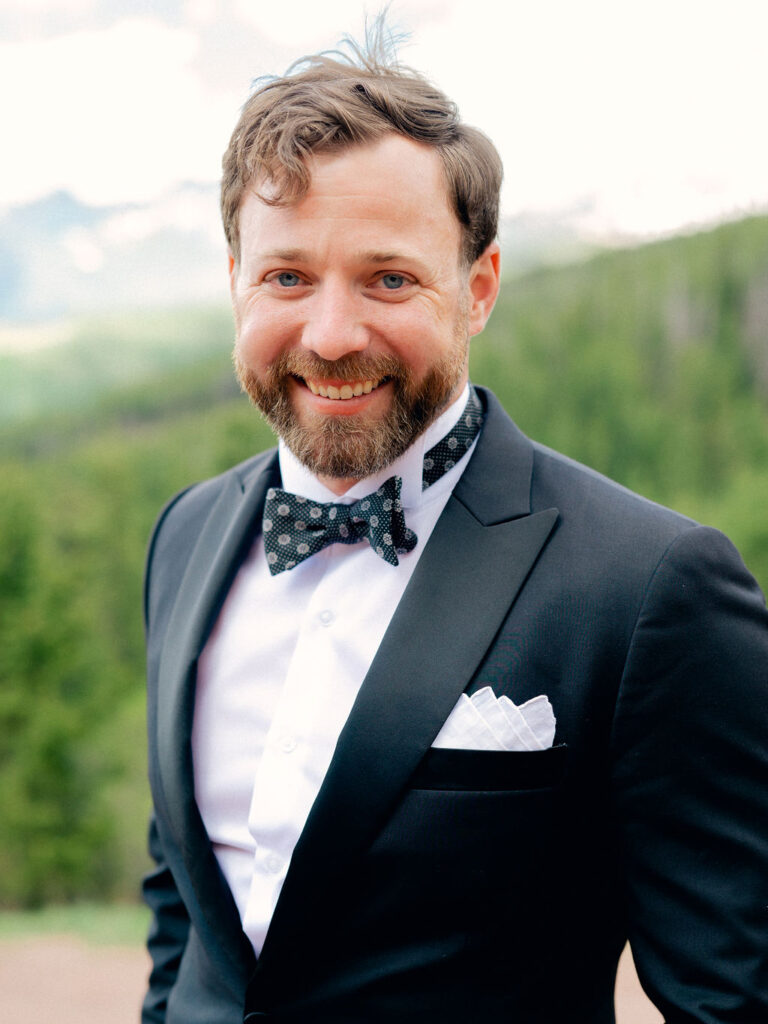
<point x="326" y="616"/>
<point x="274" y="864"/>
<point x="287" y="743"/>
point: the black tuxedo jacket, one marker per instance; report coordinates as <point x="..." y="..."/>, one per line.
<point x="464" y="886"/>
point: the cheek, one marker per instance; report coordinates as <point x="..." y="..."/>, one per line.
<point x="408" y="327"/>
<point x="425" y="339"/>
<point x="262" y="333"/>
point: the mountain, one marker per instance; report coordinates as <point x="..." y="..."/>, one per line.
<point x="61" y="257"/>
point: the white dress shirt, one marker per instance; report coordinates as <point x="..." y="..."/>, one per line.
<point x="281" y="670"/>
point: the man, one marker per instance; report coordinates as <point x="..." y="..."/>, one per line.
<point x="359" y="647"/>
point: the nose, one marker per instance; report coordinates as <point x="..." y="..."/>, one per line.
<point x="334" y="326"/>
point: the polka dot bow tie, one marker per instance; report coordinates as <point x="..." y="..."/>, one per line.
<point x="295" y="527"/>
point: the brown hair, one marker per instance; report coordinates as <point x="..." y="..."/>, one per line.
<point x="331" y="101"/>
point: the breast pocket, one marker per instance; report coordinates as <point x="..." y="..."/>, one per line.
<point x="466" y="806"/>
<point x="473" y="824"/>
<point x="488" y="771"/>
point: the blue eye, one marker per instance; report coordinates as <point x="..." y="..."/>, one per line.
<point x="288" y="279"/>
<point x="393" y="281"/>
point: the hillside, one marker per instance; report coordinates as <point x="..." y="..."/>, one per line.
<point x="650" y="364"/>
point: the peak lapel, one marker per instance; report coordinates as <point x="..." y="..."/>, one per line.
<point x="476" y="560"/>
<point x="222" y="545"/>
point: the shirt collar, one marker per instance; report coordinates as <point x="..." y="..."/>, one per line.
<point x="409" y="467"/>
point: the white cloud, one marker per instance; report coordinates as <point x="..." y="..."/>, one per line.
<point x="654" y="109"/>
<point x="86" y="254"/>
<point x="21" y="10"/>
<point x="305" y="24"/>
<point x="186" y="210"/>
<point x="111" y="115"/>
<point x="632" y="103"/>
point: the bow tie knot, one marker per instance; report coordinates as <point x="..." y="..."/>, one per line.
<point x="295" y="527"/>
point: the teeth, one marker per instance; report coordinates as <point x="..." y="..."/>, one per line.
<point x="343" y="393"/>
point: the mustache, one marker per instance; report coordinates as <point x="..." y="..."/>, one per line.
<point x="350" y="367"/>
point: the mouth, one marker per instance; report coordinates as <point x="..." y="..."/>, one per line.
<point x="343" y="392"/>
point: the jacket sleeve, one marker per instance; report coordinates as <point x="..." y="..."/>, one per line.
<point x="167" y="934"/>
<point x="169" y="927"/>
<point x="690" y="745"/>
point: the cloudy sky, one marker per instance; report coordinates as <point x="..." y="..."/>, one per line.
<point x="648" y="116"/>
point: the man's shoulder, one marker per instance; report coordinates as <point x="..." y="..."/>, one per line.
<point x="617" y="532"/>
<point x="184" y="515"/>
<point x="578" y="488"/>
<point x="178" y="527"/>
<point x="585" y="498"/>
<point x="193" y="503"/>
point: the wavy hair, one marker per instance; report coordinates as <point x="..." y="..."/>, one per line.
<point x="334" y="100"/>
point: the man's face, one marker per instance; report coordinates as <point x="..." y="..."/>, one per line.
<point x="352" y="310"/>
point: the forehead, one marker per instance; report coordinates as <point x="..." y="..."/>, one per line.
<point x="389" y="191"/>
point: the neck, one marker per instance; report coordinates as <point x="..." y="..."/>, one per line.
<point x="337" y="485"/>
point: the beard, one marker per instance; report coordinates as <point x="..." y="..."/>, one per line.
<point x="353" y="447"/>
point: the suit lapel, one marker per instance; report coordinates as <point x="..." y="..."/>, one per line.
<point x="220" y="549"/>
<point x="444" y="624"/>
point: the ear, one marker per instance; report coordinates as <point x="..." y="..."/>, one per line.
<point x="483" y="281"/>
<point x="233" y="268"/>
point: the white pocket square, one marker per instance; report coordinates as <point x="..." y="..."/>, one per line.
<point x="487" y="722"/>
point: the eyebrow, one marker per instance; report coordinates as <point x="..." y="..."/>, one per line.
<point x="286" y="255"/>
<point x="382" y="257"/>
<point x="303" y="256"/>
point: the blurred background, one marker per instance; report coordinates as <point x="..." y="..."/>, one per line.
<point x="631" y="333"/>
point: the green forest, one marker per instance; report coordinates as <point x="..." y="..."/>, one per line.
<point x="649" y="364"/>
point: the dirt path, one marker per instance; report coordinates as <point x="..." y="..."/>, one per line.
<point x="71" y="982"/>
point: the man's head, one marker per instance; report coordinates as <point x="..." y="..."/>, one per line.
<point x="324" y="104"/>
<point x="362" y="259"/>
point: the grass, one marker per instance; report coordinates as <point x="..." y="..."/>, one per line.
<point x="98" y="924"/>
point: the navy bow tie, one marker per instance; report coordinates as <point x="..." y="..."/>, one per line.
<point x="295" y="527"/>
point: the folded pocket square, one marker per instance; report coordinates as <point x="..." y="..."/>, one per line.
<point x="487" y="722"/>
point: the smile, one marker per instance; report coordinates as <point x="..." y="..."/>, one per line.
<point x="345" y="391"/>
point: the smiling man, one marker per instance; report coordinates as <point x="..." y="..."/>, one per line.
<point x="437" y="717"/>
